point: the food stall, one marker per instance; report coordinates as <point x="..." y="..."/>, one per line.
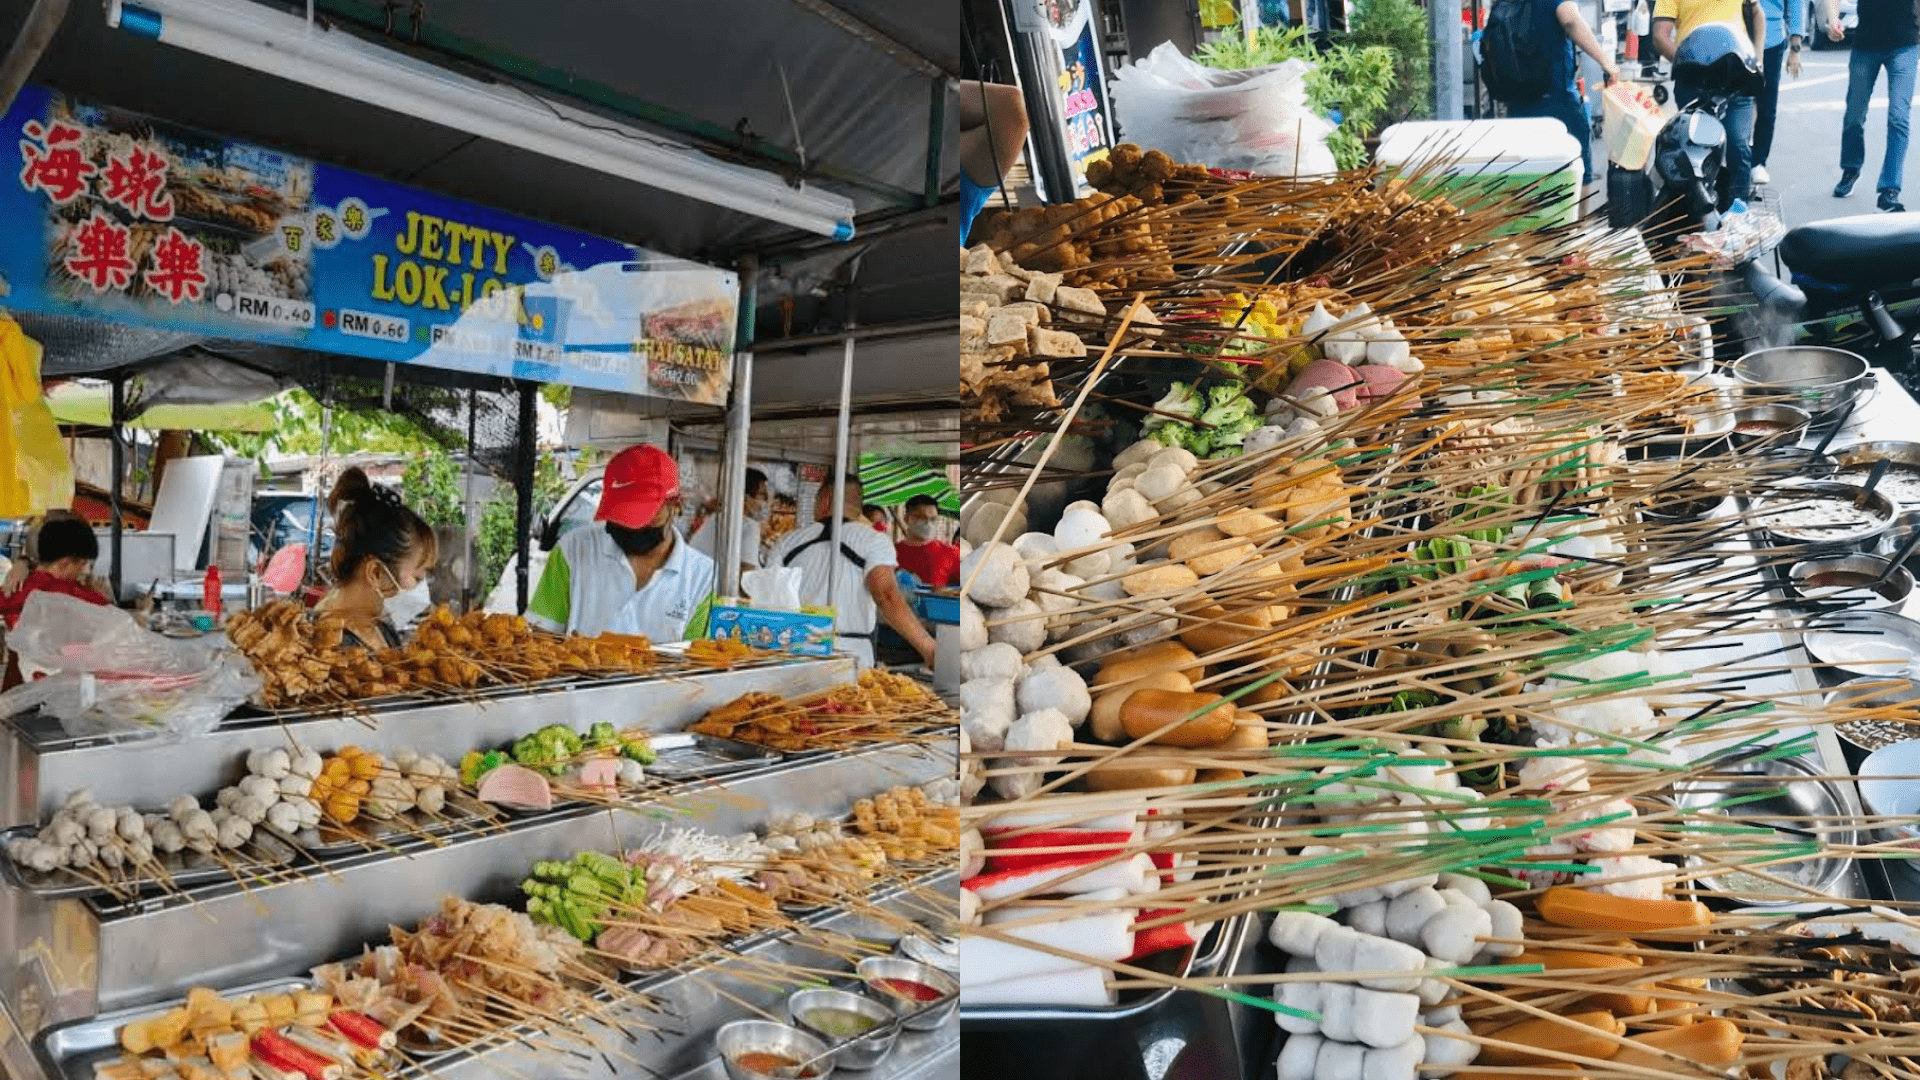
<point x="455" y="860"/>
<point x="1395" y="649"/>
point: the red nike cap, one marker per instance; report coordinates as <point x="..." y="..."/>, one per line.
<point x="638" y="482"/>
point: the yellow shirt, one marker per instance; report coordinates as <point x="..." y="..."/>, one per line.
<point x="1693" y="13"/>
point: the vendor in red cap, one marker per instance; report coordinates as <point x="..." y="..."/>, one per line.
<point x="633" y="573"/>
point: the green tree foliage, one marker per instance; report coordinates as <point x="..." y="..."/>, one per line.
<point x="1356" y="80"/>
<point x="1400" y="27"/>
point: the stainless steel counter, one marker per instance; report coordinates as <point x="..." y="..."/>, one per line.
<point x="48" y="764"/>
<point x="70" y="959"/>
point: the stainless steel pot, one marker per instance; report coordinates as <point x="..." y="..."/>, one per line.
<point x="1815" y="378"/>
<point x="1890" y="595"/>
<point x="1883" y="509"/>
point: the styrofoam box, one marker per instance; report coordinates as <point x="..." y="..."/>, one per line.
<point x="1476" y="161"/>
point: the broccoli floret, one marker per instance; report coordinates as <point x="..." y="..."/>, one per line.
<point x="602" y="734"/>
<point x="639" y="748"/>
<point x="1228" y="404"/>
<point x="476" y="764"/>
<point x="1182" y="403"/>
<point x="1183" y="435"/>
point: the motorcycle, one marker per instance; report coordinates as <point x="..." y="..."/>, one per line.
<point x="1689" y="155"/>
<point x="1854" y="284"/>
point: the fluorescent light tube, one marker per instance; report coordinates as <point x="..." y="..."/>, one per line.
<point x="258" y="37"/>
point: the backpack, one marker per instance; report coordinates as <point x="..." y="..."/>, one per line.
<point x="1513" y="60"/>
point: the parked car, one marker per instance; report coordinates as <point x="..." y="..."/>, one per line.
<point x="575" y="509"/>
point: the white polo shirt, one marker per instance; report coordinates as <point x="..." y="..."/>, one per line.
<point x="848" y="595"/>
<point x="706" y="540"/>
<point x="588" y="588"/>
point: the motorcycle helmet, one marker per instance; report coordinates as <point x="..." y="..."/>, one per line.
<point x="1718" y="58"/>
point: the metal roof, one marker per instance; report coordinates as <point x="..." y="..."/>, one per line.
<point x="861" y="75"/>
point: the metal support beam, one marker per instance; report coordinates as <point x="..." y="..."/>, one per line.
<point x="29" y="45"/>
<point x="733" y="481"/>
<point x="1449" y="58"/>
<point x="523" y="454"/>
<point x="875" y="37"/>
<point x="936" y="138"/>
<point x="117" y="412"/>
<point x="744" y="148"/>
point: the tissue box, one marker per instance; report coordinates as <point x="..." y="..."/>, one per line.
<point x="782" y="630"/>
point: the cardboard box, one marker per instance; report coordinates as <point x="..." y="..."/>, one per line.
<point x="803" y="633"/>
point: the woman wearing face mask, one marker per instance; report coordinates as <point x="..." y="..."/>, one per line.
<point x="754" y="513"/>
<point x="632" y="572"/>
<point x="921" y="552"/>
<point x="382" y="551"/>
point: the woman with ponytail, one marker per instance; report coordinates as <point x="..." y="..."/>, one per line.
<point x="381" y="549"/>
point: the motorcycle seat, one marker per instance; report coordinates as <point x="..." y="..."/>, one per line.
<point x="1871" y="249"/>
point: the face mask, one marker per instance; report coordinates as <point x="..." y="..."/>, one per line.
<point x="650" y="538"/>
<point x="403" y="609"/>
<point x="762" y="512"/>
<point x="920" y="529"/>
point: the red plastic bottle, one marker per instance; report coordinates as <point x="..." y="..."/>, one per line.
<point x="210" y="592"/>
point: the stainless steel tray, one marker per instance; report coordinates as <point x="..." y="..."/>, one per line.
<point x="69" y="1050"/>
<point x="685" y="755"/>
<point x="184" y="868"/>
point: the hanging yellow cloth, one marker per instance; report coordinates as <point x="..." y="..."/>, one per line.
<point x="1216" y="14"/>
<point x="35" y="475"/>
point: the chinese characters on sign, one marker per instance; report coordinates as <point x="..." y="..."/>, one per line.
<point x="100" y="251"/>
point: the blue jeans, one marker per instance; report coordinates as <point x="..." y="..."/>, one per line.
<point x="1739" y="125"/>
<point x="1863" y="70"/>
<point x="1566" y="106"/>
<point x="1769" y="103"/>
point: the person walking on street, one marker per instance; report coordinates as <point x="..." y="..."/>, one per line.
<point x="1673" y="20"/>
<point x="1888" y="37"/>
<point x="1561" y="22"/>
<point x="1786" y="29"/>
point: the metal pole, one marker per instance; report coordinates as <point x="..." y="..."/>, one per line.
<point x="936" y="138"/>
<point x="326" y="447"/>
<point x="523" y="489"/>
<point x="840" y="479"/>
<point x="117" y="415"/>
<point x="733" y="467"/>
<point x="36" y="34"/>
<point x="469" y="550"/>
<point x="1449" y="86"/>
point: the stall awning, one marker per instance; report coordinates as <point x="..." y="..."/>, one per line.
<point x="891" y="481"/>
<point x="78" y="403"/>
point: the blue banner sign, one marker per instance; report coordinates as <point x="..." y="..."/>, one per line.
<point x="158" y="226"/>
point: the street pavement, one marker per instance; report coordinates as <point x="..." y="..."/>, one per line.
<point x="1806" y="144"/>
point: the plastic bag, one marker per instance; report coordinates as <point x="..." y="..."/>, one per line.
<point x="1255" y="120"/>
<point x="774" y="588"/>
<point x="35" y="475"/>
<point x="112" y="678"/>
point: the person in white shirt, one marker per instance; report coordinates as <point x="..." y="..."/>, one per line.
<point x="757" y="508"/>
<point x="631" y="572"/>
<point x="863" y="589"/>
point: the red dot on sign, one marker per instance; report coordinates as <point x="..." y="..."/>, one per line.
<point x="329" y="319"/>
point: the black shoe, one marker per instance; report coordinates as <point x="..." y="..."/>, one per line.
<point x="1845" y="187"/>
<point x="1890" y="201"/>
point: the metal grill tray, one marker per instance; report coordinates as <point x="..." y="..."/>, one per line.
<point x="186" y="867"/>
<point x="685" y="755"/>
<point x="70" y="1050"/>
<point x="463" y="813"/>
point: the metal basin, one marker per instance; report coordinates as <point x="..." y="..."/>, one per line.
<point x="1816" y="378"/>
<point x="1888" y="595"/>
<point x="1793" y="499"/>
<point x="1769" y="425"/>
<point x="856" y="1052"/>
<point x="917" y="1015"/>
<point x="1859" y="738"/>
<point x="1767" y="792"/>
<point x="767" y="1037"/>
<point x="1886" y="797"/>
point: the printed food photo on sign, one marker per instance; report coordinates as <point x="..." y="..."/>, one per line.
<point x="156" y="217"/>
<point x="688" y="337"/>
